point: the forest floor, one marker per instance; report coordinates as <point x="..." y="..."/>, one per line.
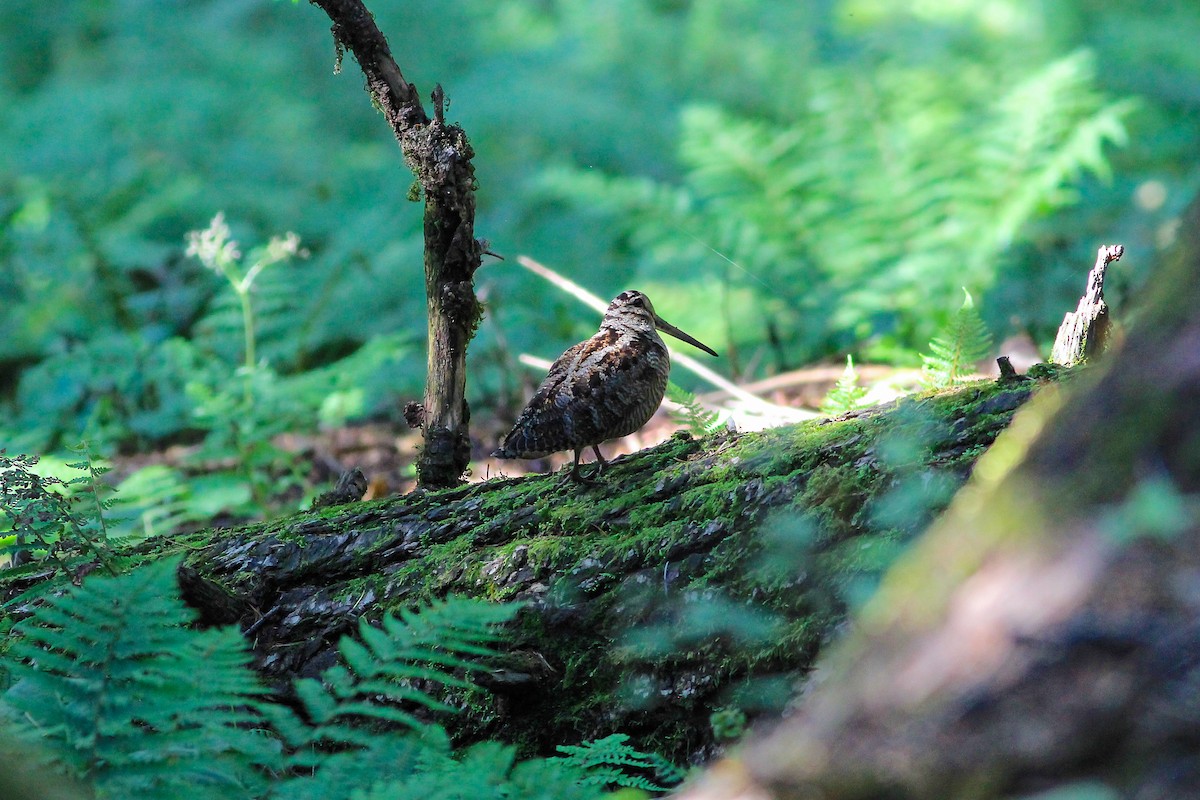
<point x="386" y="452"/>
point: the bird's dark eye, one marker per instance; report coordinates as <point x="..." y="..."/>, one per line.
<point x="637" y="301"/>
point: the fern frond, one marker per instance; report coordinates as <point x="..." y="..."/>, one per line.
<point x="612" y="762"/>
<point x="350" y="773"/>
<point x="846" y="394"/>
<point x="34" y="513"/>
<point x="41" y="513"/>
<point x="385" y="675"/>
<point x="106" y="675"/>
<point x="486" y="771"/>
<point x="1043" y="134"/>
<point x="850" y="214"/>
<point x="94" y="489"/>
<point x="954" y="352"/>
<point x="699" y="420"/>
<point x="156" y="501"/>
<point x="379" y="671"/>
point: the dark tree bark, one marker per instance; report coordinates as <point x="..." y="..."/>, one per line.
<point x="1045" y="633"/>
<point x="440" y="157"/>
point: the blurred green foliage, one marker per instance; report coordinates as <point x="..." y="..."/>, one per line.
<point x="849" y="220"/>
<point x="791" y="180"/>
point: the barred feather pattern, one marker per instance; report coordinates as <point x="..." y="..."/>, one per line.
<point x="603" y="388"/>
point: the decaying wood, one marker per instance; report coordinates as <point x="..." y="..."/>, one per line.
<point x="440" y="157"/>
<point x="1007" y="371"/>
<point x="667" y="531"/>
<point x="1046" y="631"/>
<point x="1084" y="332"/>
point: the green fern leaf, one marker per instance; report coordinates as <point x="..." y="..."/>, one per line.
<point x="106" y="676"/>
<point x="486" y="771"/>
<point x="846" y="394"/>
<point x="158" y="500"/>
<point x="450" y="634"/>
<point x="955" y="350"/>
<point x="353" y="772"/>
<point x="358" y="705"/>
<point x="698" y="420"/>
<point x="970" y="158"/>
<point x="44" y="516"/>
<point x="612" y="762"/>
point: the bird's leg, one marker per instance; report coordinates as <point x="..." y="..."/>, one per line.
<point x="601" y="463"/>
<point x="575" y="475"/>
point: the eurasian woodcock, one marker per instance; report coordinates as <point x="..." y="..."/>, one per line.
<point x="603" y="388"/>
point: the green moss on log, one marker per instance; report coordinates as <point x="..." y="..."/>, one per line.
<point x="700" y="575"/>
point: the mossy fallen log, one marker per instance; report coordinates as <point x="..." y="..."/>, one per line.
<point x="686" y="593"/>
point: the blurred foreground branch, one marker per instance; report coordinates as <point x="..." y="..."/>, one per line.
<point x="1045" y="633"/>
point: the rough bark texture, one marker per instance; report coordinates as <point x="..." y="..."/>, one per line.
<point x="1084" y="332"/>
<point x="701" y="575"/>
<point x="440" y="158"/>
<point x="1045" y="633"/>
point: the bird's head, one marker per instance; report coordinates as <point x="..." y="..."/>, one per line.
<point x="634" y="310"/>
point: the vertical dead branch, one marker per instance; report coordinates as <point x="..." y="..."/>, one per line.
<point x="1084" y="332"/>
<point x="440" y="157"/>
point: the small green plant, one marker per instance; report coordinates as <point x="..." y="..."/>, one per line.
<point x="91" y="487"/>
<point x="972" y="156"/>
<point x="246" y="422"/>
<point x="380" y="670"/>
<point x="611" y="762"/>
<point x="214" y="248"/>
<point x="486" y="771"/>
<point x="158" y="500"/>
<point x="698" y="420"/>
<point x="45" y="517"/>
<point x="956" y="348"/>
<point x="846" y="394"/>
<point x="728" y="724"/>
<point x="107" y="678"/>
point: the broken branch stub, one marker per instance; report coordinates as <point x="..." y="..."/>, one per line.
<point x="1084" y="332"/>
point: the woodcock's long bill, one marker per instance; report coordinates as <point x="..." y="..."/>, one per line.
<point x="600" y="389"/>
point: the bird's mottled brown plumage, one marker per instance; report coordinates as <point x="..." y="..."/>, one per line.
<point x="600" y="389"/>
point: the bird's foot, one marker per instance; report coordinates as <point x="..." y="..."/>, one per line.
<point x="580" y="478"/>
<point x="575" y="475"/>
